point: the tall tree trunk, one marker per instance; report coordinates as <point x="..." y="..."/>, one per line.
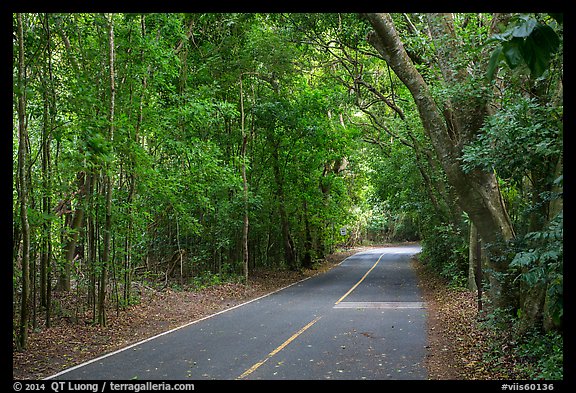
<point x="23" y="188"/>
<point x="46" y="204"/>
<point x="449" y="129"/>
<point x="49" y="122"/>
<point x="245" y="255"/>
<point x="289" y="254"/>
<point x="107" y="189"/>
<point x="91" y="253"/>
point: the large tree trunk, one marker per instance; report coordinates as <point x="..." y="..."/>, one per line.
<point x="23" y="188"/>
<point x="450" y="127"/>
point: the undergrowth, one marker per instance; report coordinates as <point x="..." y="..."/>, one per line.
<point x="532" y="355"/>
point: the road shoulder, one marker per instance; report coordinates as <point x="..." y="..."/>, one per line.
<point x="71" y="342"/>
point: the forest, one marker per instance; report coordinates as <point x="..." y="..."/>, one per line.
<point x="182" y="149"/>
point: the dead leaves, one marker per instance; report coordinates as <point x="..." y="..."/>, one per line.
<point x="67" y="343"/>
<point x="457" y="343"/>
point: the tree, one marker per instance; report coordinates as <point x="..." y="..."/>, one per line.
<point x="522" y="142"/>
<point x="451" y="126"/>
<point x="149" y="160"/>
<point x="23" y="187"/>
<point x="245" y="253"/>
<point x="108" y="181"/>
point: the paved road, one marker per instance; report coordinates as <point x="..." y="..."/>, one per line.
<point x="364" y="319"/>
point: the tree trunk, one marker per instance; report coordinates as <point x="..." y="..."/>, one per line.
<point x="449" y="130"/>
<point x="46" y="247"/>
<point x="74" y="228"/>
<point x="476" y="262"/>
<point x="91" y="254"/>
<point x="307" y="262"/>
<point x="49" y="118"/>
<point x="472" y="258"/>
<point x="23" y="188"/>
<point x="245" y="255"/>
<point x="108" y="190"/>
<point x="289" y="254"/>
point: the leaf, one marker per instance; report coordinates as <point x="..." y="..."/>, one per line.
<point x="538" y="49"/>
<point x="525" y="29"/>
<point x="505" y="36"/>
<point x="524" y="259"/>
<point x="512" y="52"/>
<point x="528" y="42"/>
<point x="493" y="63"/>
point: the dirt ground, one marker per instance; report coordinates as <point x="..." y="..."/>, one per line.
<point x="453" y="349"/>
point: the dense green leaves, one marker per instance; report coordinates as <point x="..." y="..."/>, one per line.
<point x="517" y="139"/>
<point x="325" y="132"/>
<point x="527" y="41"/>
<point x="542" y="264"/>
<point x="173" y="164"/>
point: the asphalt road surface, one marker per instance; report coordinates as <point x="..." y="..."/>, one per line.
<point x="363" y="319"/>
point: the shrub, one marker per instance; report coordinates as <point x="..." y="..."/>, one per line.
<point x="445" y="249"/>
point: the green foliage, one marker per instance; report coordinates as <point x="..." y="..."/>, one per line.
<point x="526" y="41"/>
<point x="532" y="355"/>
<point x="208" y="279"/>
<point x="322" y="151"/>
<point x="542" y="263"/>
<point x="517" y="139"/>
<point x="396" y="192"/>
<point x="542" y="356"/>
<point x="445" y="248"/>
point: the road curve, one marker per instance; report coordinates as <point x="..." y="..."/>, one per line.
<point x="363" y="319"/>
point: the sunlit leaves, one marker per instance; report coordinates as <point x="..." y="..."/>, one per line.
<point x="516" y="139"/>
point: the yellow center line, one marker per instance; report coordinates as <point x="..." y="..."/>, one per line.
<point x="274" y="352"/>
<point x="358" y="283"/>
